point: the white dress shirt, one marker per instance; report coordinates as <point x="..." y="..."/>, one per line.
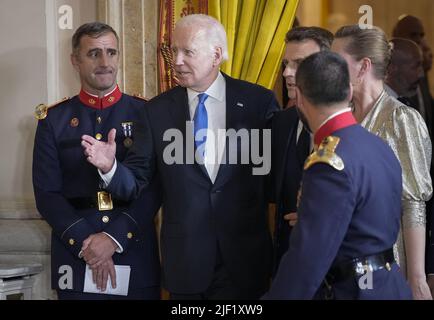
<point x="299" y="129"/>
<point x="215" y="106"/>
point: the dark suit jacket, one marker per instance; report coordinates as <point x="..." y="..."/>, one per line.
<point x="199" y="216"/>
<point x="428" y="103"/>
<point x="286" y="172"/>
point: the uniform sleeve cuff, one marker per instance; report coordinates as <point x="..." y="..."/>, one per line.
<point x="107" y="177"/>
<point x="119" y="249"/>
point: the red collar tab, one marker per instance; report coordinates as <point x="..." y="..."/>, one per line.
<point x="100" y="103"/>
<point x="340" y="121"/>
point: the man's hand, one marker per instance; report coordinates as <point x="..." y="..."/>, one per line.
<point x="101" y="273"/>
<point x="99" y="153"/>
<point x="97" y="249"/>
<point x="420" y="289"/>
<point x="291" y="218"/>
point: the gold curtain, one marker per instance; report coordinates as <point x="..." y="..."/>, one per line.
<point x="255" y="28"/>
<point x="170" y="12"/>
<point x="256" y="32"/>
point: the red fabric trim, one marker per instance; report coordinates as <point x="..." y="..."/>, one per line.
<point x="341" y="121"/>
<point x="100" y="103"/>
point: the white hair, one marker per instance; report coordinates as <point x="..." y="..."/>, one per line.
<point x="213" y="30"/>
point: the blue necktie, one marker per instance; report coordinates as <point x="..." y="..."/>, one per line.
<point x="200" y="120"/>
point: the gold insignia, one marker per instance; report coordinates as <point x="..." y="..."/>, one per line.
<point x="104" y="201"/>
<point x="111" y="99"/>
<point x="71" y="242"/>
<point x="74" y="122"/>
<point x="129" y="235"/>
<point x="98" y="136"/>
<point x="105" y="219"/>
<point x="326" y="154"/>
<point x="41" y="110"/>
<point x="92" y="101"/>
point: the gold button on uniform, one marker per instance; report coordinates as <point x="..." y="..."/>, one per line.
<point x="71" y="241"/>
<point x="129" y="235"/>
<point x="105" y="219"/>
<point x="74" y="122"/>
<point x="98" y="136"/>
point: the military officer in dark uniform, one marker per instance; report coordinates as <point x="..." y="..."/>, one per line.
<point x="349" y="212"/>
<point x="88" y="224"/>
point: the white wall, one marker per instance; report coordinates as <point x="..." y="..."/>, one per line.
<point x="34" y="68"/>
<point x="22" y="85"/>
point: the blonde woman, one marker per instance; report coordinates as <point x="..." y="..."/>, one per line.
<point x="368" y="53"/>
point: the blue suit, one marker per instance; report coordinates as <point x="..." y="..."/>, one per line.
<point x="66" y="185"/>
<point x="345" y="213"/>
<point x="206" y="224"/>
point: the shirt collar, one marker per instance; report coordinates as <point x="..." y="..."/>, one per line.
<point x="95" y="102"/>
<point x="216" y="90"/>
<point x="338" y="120"/>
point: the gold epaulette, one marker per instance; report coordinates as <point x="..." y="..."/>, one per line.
<point x="139" y="96"/>
<point x="41" y="110"/>
<point x="326" y="154"/>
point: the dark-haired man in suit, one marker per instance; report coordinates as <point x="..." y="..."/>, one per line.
<point x="291" y="141"/>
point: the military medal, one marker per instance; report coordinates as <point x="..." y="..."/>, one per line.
<point x="128" y="142"/>
<point x="128" y="129"/>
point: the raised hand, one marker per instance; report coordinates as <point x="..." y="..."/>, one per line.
<point x="100" y="153"/>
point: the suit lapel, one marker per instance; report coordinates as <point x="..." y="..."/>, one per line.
<point x="289" y="132"/>
<point x="235" y="112"/>
<point x="179" y="109"/>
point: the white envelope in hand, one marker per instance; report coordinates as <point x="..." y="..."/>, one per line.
<point x="122" y="282"/>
